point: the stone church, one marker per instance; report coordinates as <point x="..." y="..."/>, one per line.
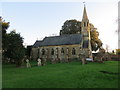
<point x="67" y="47"/>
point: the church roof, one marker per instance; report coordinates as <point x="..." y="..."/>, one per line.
<point x="60" y="40"/>
<point x="37" y="43"/>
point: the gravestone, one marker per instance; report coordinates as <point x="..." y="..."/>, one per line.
<point x="39" y="62"/>
<point x="44" y="61"/>
<point x="27" y="64"/>
<point x="83" y="58"/>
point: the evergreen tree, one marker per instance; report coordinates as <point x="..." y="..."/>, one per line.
<point x="15" y="50"/>
<point x="12" y="45"/>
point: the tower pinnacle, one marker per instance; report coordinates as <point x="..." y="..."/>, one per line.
<point x="85" y="17"/>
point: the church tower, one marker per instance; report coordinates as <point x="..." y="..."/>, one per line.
<point x="85" y="20"/>
<point x="86" y="33"/>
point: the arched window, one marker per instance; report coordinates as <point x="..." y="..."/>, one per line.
<point x="62" y="50"/>
<point x="52" y="52"/>
<point x="43" y="52"/>
<point x="56" y="50"/>
<point x="73" y="51"/>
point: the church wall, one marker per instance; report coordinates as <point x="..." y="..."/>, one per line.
<point x="37" y="52"/>
<point x="34" y="53"/>
<point x="58" y="54"/>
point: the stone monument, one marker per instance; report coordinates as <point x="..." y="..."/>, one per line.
<point x="27" y="64"/>
<point x="39" y="62"/>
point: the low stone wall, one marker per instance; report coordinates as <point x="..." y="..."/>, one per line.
<point x="115" y="57"/>
<point x="107" y="57"/>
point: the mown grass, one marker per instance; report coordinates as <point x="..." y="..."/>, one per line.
<point x="62" y="75"/>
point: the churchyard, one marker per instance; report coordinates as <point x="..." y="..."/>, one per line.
<point x="57" y="61"/>
<point x="62" y="75"/>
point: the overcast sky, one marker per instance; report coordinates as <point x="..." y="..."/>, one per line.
<point x="35" y="20"/>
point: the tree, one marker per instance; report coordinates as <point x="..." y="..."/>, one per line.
<point x="16" y="50"/>
<point x="5" y="26"/>
<point x="96" y="43"/>
<point x="73" y="27"/>
<point x="12" y="44"/>
<point x="70" y="27"/>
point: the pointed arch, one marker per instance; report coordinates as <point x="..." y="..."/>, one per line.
<point x="73" y="51"/>
<point x="52" y="51"/>
<point x="62" y="50"/>
<point x="43" y="51"/>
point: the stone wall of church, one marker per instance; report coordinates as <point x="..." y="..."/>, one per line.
<point x="34" y="53"/>
<point x="62" y="53"/>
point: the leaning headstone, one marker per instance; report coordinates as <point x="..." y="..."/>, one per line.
<point x="39" y="62"/>
<point x="27" y="64"/>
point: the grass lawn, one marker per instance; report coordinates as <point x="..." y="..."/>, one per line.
<point x="62" y="75"/>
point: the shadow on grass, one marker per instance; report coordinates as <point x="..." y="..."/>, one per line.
<point x="106" y="72"/>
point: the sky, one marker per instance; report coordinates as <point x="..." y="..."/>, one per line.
<point x="37" y="19"/>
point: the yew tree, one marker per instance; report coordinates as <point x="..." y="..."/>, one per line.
<point x="16" y="50"/>
<point x="5" y="26"/>
<point x="12" y="45"/>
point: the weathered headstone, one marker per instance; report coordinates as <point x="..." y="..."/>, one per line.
<point x="83" y="60"/>
<point x="44" y="61"/>
<point x="27" y="64"/>
<point x="39" y="62"/>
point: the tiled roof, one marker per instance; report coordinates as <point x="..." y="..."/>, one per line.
<point x="37" y="43"/>
<point x="60" y="40"/>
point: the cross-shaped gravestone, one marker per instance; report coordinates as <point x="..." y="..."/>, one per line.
<point x="39" y="62"/>
<point x="28" y="64"/>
